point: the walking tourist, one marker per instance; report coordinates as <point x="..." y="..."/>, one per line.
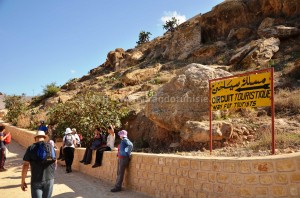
<point x="69" y="143"/>
<point x="42" y="173"/>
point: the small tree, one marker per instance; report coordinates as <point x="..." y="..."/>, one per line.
<point x="85" y="111"/>
<point x="143" y="37"/>
<point x="15" y="106"/>
<point x="170" y="25"/>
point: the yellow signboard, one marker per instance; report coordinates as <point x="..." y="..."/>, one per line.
<point x="252" y="90"/>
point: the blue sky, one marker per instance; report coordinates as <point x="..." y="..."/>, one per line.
<point x="45" y="41"/>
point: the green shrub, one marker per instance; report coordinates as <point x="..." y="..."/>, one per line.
<point x="86" y="111"/>
<point x="15" y="106"/>
<point x="50" y="90"/>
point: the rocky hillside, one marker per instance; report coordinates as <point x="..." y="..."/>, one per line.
<point x="1" y="101"/>
<point x="165" y="81"/>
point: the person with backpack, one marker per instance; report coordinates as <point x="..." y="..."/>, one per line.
<point x="42" y="160"/>
<point x="3" y="137"/>
<point x="69" y="143"/>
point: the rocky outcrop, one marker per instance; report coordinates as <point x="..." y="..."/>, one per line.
<point x="255" y="54"/>
<point x="118" y="58"/>
<point x="140" y="75"/>
<point x="234" y="14"/>
<point x="183" y="99"/>
<point x="183" y="42"/>
<point x="280" y="31"/>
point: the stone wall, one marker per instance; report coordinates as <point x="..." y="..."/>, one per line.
<point x="176" y="176"/>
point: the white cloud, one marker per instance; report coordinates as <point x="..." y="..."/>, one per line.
<point x="168" y="16"/>
<point x="73" y="71"/>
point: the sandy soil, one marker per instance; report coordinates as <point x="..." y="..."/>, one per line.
<point x="70" y="185"/>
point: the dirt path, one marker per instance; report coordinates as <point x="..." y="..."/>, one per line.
<point x="70" y="185"/>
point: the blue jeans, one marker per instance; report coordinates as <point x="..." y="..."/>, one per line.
<point x="42" y="189"/>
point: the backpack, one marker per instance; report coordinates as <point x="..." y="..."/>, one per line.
<point x="8" y="138"/>
<point x="68" y="140"/>
<point x="45" y="153"/>
<point x="80" y="136"/>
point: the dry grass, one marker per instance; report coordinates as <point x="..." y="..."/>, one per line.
<point x="287" y="102"/>
<point x="24" y="121"/>
<point x="293" y="70"/>
<point x="283" y="140"/>
<point x="28" y="121"/>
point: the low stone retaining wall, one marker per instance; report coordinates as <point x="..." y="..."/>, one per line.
<point x="161" y="175"/>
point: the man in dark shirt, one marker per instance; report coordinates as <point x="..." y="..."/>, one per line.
<point x="43" y="127"/>
<point x="42" y="176"/>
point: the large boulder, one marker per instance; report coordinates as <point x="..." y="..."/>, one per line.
<point x="256" y="53"/>
<point x="184" y="99"/>
<point x="195" y="131"/>
<point x="115" y="59"/>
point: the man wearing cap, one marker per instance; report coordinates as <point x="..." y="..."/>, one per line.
<point x="124" y="155"/>
<point x="42" y="176"/>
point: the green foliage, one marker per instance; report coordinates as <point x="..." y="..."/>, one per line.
<point x="170" y="25"/>
<point x="15" y="106"/>
<point x="50" y="90"/>
<point x="150" y="93"/>
<point x="143" y="37"/>
<point x="86" y="111"/>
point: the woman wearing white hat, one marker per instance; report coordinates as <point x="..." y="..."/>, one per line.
<point x="69" y="143"/>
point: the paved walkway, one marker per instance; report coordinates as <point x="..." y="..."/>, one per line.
<point x="70" y="185"/>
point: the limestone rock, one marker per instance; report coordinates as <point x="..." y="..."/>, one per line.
<point x="182" y="42"/>
<point x="140" y="75"/>
<point x="280" y="31"/>
<point x="239" y="34"/>
<point x="184" y="98"/>
<point x="119" y="58"/>
<point x="204" y="52"/>
<point x="234" y="14"/>
<point x="266" y="23"/>
<point x="195" y="131"/>
<point x="114" y="58"/>
<point x="256" y="53"/>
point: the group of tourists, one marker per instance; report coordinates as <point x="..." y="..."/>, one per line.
<point x="43" y="163"/>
